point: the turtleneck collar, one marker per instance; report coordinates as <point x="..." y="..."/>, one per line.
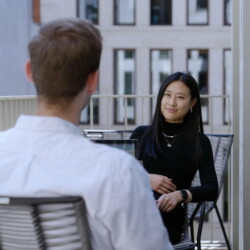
<point x="173" y="128"/>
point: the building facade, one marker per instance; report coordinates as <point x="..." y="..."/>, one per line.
<point x="143" y="42"/>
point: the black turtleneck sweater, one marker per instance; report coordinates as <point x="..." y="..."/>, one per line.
<point x="175" y="163"/>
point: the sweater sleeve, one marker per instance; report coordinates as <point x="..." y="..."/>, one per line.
<point x="208" y="190"/>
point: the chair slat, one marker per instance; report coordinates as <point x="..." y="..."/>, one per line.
<point x="44" y="223"/>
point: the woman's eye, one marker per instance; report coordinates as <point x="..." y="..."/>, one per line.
<point x="180" y="97"/>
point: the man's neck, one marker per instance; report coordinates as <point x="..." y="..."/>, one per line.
<point x="70" y="112"/>
<point x="67" y="113"/>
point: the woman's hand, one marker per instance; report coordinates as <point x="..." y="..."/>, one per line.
<point x="161" y="184"/>
<point x="168" y="202"/>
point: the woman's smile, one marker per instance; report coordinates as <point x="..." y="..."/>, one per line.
<point x="171" y="110"/>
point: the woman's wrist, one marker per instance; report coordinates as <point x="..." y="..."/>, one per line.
<point x="184" y="195"/>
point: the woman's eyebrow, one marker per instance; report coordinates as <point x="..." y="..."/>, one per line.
<point x="178" y="93"/>
<point x="167" y="91"/>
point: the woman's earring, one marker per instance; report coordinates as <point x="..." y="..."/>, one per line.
<point x="191" y="110"/>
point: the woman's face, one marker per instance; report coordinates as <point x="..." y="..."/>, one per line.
<point x="176" y="102"/>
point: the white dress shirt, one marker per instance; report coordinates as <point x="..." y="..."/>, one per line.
<point x="48" y="156"/>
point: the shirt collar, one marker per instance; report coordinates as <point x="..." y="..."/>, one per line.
<point x="47" y="123"/>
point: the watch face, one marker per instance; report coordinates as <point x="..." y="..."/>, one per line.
<point x="184" y="195"/>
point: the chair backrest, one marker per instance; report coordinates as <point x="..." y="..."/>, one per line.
<point x="221" y="146"/>
<point x="43" y="223"/>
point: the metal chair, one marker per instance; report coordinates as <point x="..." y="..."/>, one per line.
<point x="43" y="223"/>
<point x="221" y="146"/>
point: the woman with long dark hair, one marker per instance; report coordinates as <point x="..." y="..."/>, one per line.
<point x="173" y="148"/>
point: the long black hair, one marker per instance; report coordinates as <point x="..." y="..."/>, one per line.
<point x="192" y="122"/>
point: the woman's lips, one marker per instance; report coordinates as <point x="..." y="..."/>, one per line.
<point x="171" y="110"/>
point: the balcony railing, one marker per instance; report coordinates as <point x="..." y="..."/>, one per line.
<point x="117" y="112"/>
<point x="12" y="106"/>
<point x="216" y="111"/>
<point x="104" y="109"/>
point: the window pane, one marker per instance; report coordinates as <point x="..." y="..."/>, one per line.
<point x="125" y="85"/>
<point x="228" y="11"/>
<point x="198" y="68"/>
<point x="124" y="11"/>
<point x="161" y="67"/>
<point x="88" y="9"/>
<point x="227" y="81"/>
<point x="197" y="11"/>
<point x="85" y="114"/>
<point x="161" y="12"/>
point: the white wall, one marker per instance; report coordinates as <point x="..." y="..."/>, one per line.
<point x="52" y="9"/>
<point x="16" y="29"/>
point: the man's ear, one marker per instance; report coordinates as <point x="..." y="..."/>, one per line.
<point x="28" y="71"/>
<point x="92" y="81"/>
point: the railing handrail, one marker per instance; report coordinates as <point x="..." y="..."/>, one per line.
<point x="18" y="97"/>
<point x="109" y="95"/>
<point x="142" y="118"/>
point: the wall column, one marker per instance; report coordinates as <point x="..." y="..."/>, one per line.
<point x="241" y="121"/>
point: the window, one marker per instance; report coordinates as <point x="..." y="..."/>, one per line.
<point x="124" y="85"/>
<point x="161" y="67"/>
<point x="197" y="12"/>
<point x="198" y="68"/>
<point x="227" y="82"/>
<point x="85" y="114"/>
<point x="88" y="9"/>
<point x="124" y="12"/>
<point x="161" y="12"/>
<point x="227" y="12"/>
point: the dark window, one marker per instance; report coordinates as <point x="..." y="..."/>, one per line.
<point x="89" y="9"/>
<point x="85" y="115"/>
<point x="227" y="12"/>
<point x="161" y="12"/>
<point x="128" y="87"/>
<point x="202" y="4"/>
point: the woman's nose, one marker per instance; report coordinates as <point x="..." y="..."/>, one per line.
<point x="172" y="101"/>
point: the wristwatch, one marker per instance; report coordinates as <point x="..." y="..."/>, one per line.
<point x="184" y="195"/>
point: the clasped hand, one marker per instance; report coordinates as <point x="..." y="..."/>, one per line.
<point x="163" y="185"/>
<point x="168" y="202"/>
